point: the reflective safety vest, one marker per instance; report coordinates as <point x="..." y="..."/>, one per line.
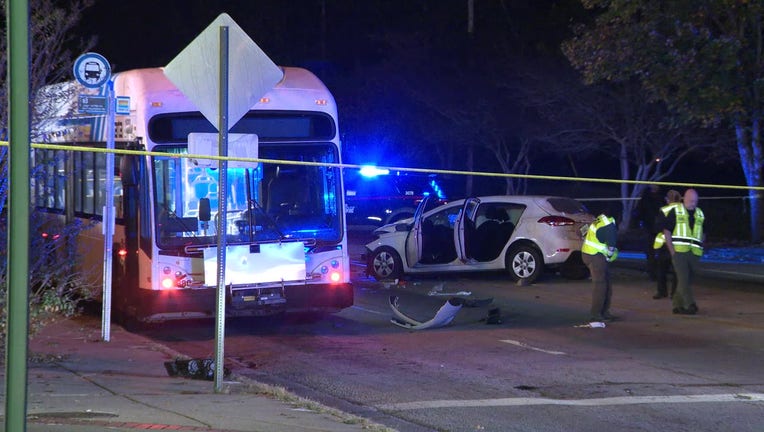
<point x="592" y="245"/>
<point x="660" y="238"/>
<point x="683" y="238"/>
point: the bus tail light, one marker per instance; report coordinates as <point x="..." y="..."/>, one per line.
<point x="47" y="236"/>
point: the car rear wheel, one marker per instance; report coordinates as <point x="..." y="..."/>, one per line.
<point x="524" y="263"/>
<point x="385" y="263"/>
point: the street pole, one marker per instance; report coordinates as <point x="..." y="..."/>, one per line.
<point x="17" y="290"/>
<point x="108" y="216"/>
<point x="222" y="208"/>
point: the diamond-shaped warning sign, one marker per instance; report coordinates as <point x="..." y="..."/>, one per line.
<point x="196" y="71"/>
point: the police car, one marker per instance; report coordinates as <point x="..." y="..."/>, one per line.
<point x="376" y="197"/>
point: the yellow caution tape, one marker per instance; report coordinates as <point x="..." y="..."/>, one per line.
<point x="404" y="169"/>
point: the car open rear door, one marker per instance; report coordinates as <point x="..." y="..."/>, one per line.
<point x="465" y="227"/>
<point x="414" y="239"/>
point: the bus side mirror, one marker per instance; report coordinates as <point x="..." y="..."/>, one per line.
<point x="204" y="210"/>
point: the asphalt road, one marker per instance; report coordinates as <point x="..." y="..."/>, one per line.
<point x="535" y="371"/>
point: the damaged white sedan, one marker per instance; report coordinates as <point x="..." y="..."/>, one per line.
<point x="522" y="234"/>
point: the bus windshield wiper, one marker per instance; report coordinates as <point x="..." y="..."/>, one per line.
<point x="253" y="203"/>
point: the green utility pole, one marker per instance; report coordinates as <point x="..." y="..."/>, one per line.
<point x="18" y="217"/>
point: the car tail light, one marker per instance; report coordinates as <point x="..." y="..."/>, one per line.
<point x="557" y="221"/>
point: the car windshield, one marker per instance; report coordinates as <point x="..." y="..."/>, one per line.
<point x="287" y="201"/>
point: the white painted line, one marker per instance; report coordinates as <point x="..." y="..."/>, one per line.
<point x="369" y="310"/>
<point x="525" y="345"/>
<point x="624" y="400"/>
<point x="739" y="273"/>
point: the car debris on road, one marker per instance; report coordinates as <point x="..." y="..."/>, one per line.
<point x="442" y="317"/>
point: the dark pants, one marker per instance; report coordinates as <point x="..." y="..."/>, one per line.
<point x="601" y="288"/>
<point x="686" y="266"/>
<point x="663" y="271"/>
<point x="651" y="264"/>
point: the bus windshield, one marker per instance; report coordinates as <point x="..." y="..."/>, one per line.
<point x="267" y="202"/>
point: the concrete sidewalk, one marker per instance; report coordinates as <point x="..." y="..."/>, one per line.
<point x="78" y="383"/>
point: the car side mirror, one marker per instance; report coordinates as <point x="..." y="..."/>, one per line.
<point x="401" y="227"/>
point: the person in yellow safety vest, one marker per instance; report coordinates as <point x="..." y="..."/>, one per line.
<point x="597" y="252"/>
<point x="683" y="234"/>
<point x="661" y="254"/>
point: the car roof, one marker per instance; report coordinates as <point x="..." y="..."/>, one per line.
<point x="540" y="201"/>
<point x="514" y="198"/>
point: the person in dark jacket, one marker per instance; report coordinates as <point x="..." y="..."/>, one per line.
<point x="647" y="211"/>
<point x="663" y="256"/>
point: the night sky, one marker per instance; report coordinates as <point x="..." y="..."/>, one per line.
<point x="145" y="33"/>
<point x="359" y="48"/>
<point x="345" y="33"/>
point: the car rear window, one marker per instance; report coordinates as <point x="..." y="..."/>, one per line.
<point x="567" y="205"/>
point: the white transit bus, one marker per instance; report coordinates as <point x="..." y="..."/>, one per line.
<point x="285" y="227"/>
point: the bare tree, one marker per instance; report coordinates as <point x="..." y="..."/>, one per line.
<point x="51" y="36"/>
<point x="614" y="120"/>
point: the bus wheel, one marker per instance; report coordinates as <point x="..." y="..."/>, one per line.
<point x="385" y="263"/>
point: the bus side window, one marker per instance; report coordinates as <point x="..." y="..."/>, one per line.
<point x="119" y="211"/>
<point x="87" y="180"/>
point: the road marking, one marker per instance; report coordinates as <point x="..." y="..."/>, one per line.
<point x="612" y="401"/>
<point x="736" y="273"/>
<point x="525" y="345"/>
<point x="368" y="310"/>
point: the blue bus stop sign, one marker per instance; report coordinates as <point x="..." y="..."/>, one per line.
<point x="92" y="70"/>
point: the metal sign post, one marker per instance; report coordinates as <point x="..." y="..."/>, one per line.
<point x="108" y="217"/>
<point x="222" y="207"/>
<point x="223" y="93"/>
<point x="92" y="70"/>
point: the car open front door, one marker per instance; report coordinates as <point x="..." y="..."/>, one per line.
<point x="414" y="239"/>
<point x="465" y="228"/>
